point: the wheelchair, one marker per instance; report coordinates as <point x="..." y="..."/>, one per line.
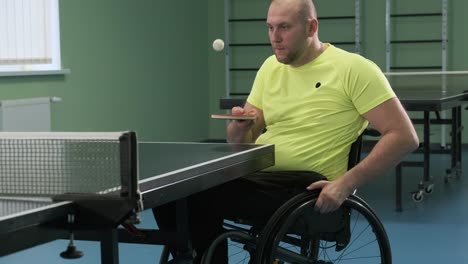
<point x="297" y="234"/>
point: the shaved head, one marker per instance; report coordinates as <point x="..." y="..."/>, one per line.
<point x="305" y="9"/>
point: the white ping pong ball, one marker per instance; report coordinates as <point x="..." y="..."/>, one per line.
<point x="218" y="44"/>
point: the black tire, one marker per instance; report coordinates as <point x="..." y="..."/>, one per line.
<point x="165" y="254"/>
<point x="241" y="247"/>
<point x="275" y="238"/>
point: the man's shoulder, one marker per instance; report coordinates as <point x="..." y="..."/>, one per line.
<point x="350" y="60"/>
<point x="349" y="56"/>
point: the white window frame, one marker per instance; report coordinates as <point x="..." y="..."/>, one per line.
<point x="29" y="37"/>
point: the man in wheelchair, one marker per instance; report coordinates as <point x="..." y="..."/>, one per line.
<point x="311" y="100"/>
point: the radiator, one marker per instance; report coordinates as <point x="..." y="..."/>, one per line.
<point x="32" y="114"/>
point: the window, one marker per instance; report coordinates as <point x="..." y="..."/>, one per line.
<point x="29" y="34"/>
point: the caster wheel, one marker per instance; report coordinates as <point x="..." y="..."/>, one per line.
<point x="448" y="175"/>
<point x="418" y="197"/>
<point x="429" y="189"/>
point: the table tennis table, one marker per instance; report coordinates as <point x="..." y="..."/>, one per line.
<point x="166" y="172"/>
<point x="423" y="93"/>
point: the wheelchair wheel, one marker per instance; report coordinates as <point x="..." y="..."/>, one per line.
<point x="165" y="255"/>
<point x="298" y="234"/>
<point x="241" y="245"/>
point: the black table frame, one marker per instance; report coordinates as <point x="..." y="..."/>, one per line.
<point x="47" y="224"/>
<point x="452" y="103"/>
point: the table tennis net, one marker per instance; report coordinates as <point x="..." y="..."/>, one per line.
<point x="10" y="206"/>
<point x="47" y="164"/>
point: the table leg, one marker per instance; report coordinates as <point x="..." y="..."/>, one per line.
<point x="110" y="246"/>
<point x="460" y="142"/>
<point x="426" y="147"/>
<point x="456" y="141"/>
<point x="398" y="187"/>
<point x="459" y="130"/>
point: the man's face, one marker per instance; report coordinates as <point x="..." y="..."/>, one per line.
<point x="288" y="34"/>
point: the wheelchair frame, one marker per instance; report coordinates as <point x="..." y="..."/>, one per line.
<point x="267" y="245"/>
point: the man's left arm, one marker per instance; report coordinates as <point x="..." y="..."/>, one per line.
<point x="398" y="139"/>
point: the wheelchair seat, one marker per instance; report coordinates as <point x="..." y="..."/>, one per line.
<point x="331" y="227"/>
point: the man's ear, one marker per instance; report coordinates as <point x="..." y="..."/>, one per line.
<point x="313" y="26"/>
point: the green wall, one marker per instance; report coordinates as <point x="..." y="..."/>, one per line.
<point x="135" y="65"/>
<point x="216" y="73"/>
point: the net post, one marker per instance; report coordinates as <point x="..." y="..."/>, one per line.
<point x="129" y="167"/>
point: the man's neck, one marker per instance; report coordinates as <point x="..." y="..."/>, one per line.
<point x="316" y="47"/>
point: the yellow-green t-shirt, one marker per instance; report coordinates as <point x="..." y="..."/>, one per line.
<point x="313" y="112"/>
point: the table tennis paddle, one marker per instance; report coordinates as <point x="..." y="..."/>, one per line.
<point x="233" y="117"/>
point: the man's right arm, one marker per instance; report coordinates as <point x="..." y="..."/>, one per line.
<point x="245" y="131"/>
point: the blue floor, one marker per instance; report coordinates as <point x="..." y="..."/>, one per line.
<point x="433" y="231"/>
